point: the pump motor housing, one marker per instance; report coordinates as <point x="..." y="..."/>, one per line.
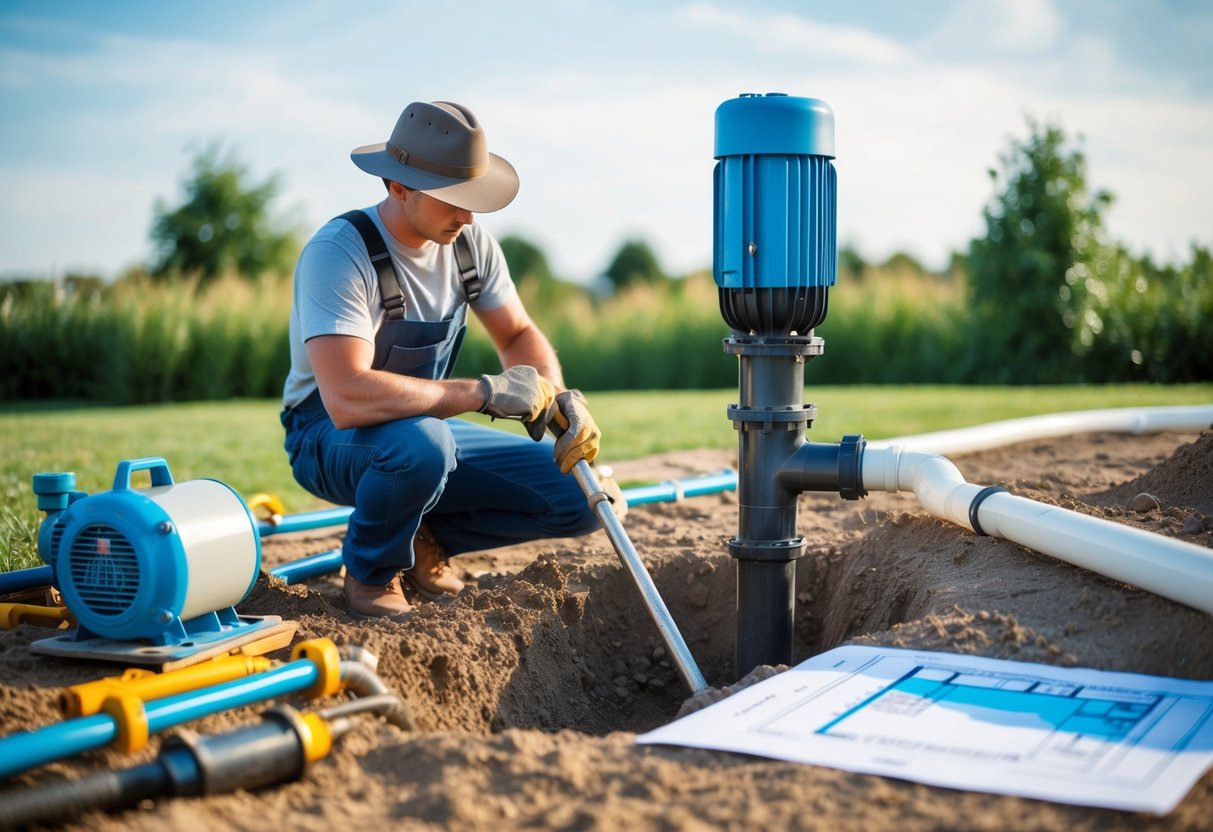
<point x="775" y="206"/>
<point x="164" y="563"/>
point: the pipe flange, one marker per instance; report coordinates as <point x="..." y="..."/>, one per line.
<point x="850" y="467"/>
<point x="787" y="413"/>
<point x="785" y="346"/>
<point x="772" y="551"/>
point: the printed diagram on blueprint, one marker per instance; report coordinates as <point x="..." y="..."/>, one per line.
<point x="1087" y="737"/>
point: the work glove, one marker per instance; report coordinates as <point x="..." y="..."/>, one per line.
<point x="581" y="435"/>
<point x="519" y="393"/>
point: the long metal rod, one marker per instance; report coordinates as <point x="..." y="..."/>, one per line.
<point x="674" y="643"/>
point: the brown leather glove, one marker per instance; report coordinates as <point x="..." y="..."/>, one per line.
<point x="519" y="393"/>
<point x="581" y="436"/>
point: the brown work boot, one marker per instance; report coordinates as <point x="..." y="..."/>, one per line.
<point x="431" y="576"/>
<point x="372" y="601"/>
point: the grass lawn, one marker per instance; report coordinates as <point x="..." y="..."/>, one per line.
<point x="240" y="442"/>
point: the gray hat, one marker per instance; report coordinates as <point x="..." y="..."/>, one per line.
<point x="440" y="149"/>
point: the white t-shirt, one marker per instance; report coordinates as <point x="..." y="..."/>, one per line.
<point x="337" y="290"/>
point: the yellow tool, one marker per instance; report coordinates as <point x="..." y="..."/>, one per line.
<point x="270" y="503"/>
<point x="86" y="699"/>
<point x="12" y="615"/>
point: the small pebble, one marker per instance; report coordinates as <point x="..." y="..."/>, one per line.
<point x="1143" y="503"/>
<point x="1192" y="525"/>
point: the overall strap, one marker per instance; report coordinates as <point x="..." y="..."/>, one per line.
<point x="389" y="288"/>
<point x="472" y="283"/>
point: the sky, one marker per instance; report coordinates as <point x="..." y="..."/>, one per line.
<point x="605" y="108"/>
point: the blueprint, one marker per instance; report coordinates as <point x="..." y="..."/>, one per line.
<point x="1086" y="737"/>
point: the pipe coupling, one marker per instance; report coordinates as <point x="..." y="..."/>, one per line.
<point x="767" y="551"/>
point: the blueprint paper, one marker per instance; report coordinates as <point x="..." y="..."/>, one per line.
<point x="1086" y="737"/>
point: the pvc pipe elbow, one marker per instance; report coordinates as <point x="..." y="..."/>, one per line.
<point x="934" y="480"/>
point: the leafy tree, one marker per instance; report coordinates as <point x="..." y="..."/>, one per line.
<point x="634" y="263"/>
<point x="851" y="264"/>
<point x="224" y="223"/>
<point x="1036" y="280"/>
<point x="525" y="259"/>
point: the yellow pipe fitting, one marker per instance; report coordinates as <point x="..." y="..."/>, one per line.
<point x="323" y="653"/>
<point x="13" y="615"/>
<point x="130" y="722"/>
<point x="318" y="739"/>
<point x="86" y="699"/>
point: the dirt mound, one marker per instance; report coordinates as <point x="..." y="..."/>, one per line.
<point x="1182" y="481"/>
<point x="527" y="688"/>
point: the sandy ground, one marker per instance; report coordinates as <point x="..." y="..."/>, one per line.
<point x="527" y="690"/>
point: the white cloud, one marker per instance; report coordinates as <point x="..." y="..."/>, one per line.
<point x="794" y="34"/>
<point x="1006" y="26"/>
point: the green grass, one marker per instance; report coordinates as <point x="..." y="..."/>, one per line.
<point x="240" y="442"/>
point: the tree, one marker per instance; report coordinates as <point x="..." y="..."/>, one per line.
<point x="634" y="263"/>
<point x="851" y="264"/>
<point x="526" y="260"/>
<point x="1036" y="278"/>
<point x="529" y="268"/>
<point x="224" y="223"/>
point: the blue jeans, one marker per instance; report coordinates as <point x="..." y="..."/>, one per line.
<point x="476" y="487"/>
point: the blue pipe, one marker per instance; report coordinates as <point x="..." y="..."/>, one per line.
<point x="30" y="749"/>
<point x="678" y="489"/>
<point x="23" y="579"/>
<point x="306" y="521"/>
<point x="662" y="492"/>
<point x="313" y="566"/>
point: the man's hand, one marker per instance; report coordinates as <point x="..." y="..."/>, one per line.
<point x="519" y="393"/>
<point x="581" y="435"/>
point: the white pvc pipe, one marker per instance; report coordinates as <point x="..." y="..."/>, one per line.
<point x="1171" y="568"/>
<point x="1134" y="420"/>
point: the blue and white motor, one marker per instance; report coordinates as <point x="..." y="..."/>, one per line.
<point x="165" y="563"/>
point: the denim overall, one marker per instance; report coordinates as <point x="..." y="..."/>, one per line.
<point x="476" y="487"/>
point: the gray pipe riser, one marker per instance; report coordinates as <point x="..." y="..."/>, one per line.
<point x="777" y="381"/>
<point x="767" y="508"/>
<point x="766" y="617"/>
<point x="1174" y="569"/>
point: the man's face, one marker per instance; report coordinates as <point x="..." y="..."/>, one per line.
<point x="434" y="219"/>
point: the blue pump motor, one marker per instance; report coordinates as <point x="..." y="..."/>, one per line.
<point x="165" y="563"/>
<point x="775" y="206"/>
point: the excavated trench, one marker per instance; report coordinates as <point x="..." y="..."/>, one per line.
<point x="569" y="645"/>
<point x="565" y="642"/>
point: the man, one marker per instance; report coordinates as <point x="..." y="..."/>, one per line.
<point x="368" y="402"/>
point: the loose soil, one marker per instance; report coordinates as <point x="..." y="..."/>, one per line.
<point x="527" y="690"/>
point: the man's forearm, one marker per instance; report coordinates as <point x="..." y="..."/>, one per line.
<point x="375" y="397"/>
<point x="532" y="347"/>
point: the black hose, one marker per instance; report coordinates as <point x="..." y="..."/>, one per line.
<point x="55" y="802"/>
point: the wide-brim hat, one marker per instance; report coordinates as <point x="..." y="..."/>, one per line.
<point x="440" y="148"/>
